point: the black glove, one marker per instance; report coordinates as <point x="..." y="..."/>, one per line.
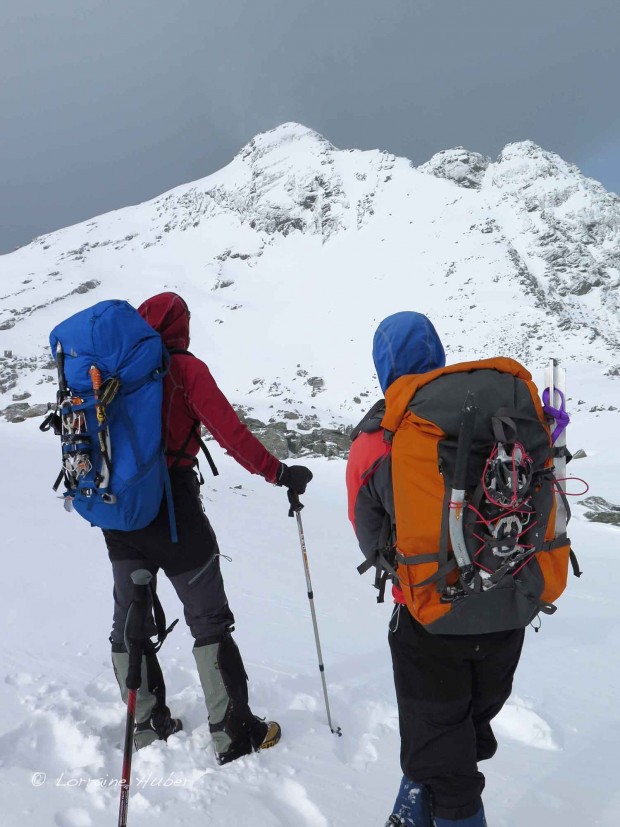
<point x="294" y="477"/>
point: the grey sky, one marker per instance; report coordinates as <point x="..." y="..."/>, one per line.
<point x="104" y="104"/>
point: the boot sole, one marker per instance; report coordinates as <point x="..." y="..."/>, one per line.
<point x="271" y="742"/>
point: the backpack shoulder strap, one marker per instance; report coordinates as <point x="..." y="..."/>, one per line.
<point x="371" y="421"/>
<point x="193" y="433"/>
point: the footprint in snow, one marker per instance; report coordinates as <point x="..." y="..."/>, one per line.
<point x="19" y="679"/>
<point x="294" y="796"/>
<point x="52" y="742"/>
<point x="518" y="722"/>
<point x="102" y="690"/>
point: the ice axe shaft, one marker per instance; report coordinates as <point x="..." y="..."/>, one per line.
<point x="456" y="513"/>
<point x="134" y="637"/>
<point x="295" y="509"/>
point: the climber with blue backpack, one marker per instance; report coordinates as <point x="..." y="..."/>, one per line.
<point x="130" y="406"/>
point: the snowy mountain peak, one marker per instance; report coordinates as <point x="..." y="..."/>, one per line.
<point x="521" y="164"/>
<point x="298" y="242"/>
<point x="459" y="165"/>
<point x="281" y="138"/>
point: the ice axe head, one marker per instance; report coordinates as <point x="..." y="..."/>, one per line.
<point x="141" y="577"/>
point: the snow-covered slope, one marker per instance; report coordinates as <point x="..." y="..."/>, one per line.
<point x="288" y="258"/>
<point x="290" y="255"/>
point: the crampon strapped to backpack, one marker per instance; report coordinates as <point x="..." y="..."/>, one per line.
<point x="110" y="365"/>
<point x="475" y="497"/>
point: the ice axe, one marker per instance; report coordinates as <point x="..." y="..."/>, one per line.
<point x="135" y="637"/>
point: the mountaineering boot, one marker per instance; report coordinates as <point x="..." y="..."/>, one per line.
<point x="152" y="723"/>
<point x="235" y="730"/>
<point x="159" y="727"/>
<point x="412" y="807"/>
<point x="477" y="820"/>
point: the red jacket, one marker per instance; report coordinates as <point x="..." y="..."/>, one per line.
<point x="191" y="393"/>
<point x="369" y="487"/>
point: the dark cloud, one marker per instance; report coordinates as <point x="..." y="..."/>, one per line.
<point x="105" y="104"/>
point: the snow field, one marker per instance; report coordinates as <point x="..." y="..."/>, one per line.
<point x="60" y="712"/>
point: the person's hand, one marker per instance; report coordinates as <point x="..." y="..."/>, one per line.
<point x="294" y="477"/>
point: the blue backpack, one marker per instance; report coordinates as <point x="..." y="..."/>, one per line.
<point x="111" y="365"/>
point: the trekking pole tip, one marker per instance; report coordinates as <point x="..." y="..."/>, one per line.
<point x="337" y="731"/>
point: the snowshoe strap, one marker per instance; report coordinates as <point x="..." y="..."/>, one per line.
<point x="506" y="418"/>
<point x="504" y="429"/>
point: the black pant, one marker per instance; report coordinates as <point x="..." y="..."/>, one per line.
<point x="192" y="564"/>
<point x="448" y="690"/>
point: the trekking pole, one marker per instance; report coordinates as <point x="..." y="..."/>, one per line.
<point x="134" y="641"/>
<point x="295" y="509"/>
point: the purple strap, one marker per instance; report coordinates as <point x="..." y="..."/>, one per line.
<point x="559" y="414"/>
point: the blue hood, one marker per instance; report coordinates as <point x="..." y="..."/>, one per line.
<point x="406" y="343"/>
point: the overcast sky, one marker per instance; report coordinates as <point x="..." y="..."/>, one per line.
<point x="106" y="103"/>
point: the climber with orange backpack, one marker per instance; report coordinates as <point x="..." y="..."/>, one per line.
<point x="453" y="495"/>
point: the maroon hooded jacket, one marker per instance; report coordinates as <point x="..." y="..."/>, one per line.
<point x="190" y="394"/>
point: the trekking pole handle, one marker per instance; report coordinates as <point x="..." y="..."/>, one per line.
<point x="466" y="437"/>
<point x="295" y="503"/>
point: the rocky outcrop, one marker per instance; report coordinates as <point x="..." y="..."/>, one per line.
<point x="459" y="165"/>
<point x="569" y="232"/>
<point x="20" y="411"/>
<point x="601" y="511"/>
<point x="305" y="439"/>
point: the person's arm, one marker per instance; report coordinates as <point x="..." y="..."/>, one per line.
<point x="208" y="404"/>
<point x="369" y="486"/>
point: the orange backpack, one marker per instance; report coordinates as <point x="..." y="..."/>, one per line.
<point x="505" y="525"/>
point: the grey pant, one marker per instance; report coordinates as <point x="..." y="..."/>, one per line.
<point x="201" y="591"/>
<point x="219" y="663"/>
<point x="193" y="567"/>
<point x="192" y="564"/>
